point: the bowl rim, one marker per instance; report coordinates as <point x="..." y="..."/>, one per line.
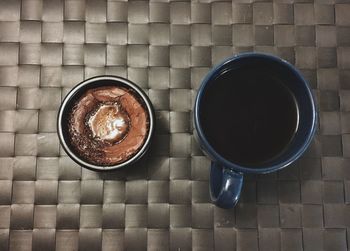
<point x="75" y="91"/>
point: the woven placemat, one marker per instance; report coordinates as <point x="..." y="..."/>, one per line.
<point x="49" y="203"/>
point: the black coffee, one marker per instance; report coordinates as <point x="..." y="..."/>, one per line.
<point x="249" y="116"/>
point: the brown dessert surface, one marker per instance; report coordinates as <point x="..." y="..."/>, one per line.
<point x="108" y="125"/>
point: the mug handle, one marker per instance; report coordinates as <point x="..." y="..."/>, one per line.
<point x="225" y="185"/>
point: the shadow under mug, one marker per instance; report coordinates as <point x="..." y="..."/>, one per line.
<point x="226" y="177"/>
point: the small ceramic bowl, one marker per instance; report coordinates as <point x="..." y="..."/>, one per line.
<point x="75" y="93"/>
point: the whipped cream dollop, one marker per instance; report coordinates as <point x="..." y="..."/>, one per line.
<point x="109" y="123"/>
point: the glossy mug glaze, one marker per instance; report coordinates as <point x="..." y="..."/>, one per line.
<point x="226" y="177"/>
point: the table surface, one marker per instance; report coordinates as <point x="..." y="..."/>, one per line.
<point x="49" y="203"/>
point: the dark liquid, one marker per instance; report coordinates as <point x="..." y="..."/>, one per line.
<point x="249" y="117"/>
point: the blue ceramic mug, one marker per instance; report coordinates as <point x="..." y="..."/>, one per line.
<point x="246" y="123"/>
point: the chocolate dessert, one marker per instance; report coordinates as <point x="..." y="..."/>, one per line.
<point x="108" y="125"/>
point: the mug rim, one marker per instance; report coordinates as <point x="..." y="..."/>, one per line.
<point x="237" y="167"/>
<point x="74" y="91"/>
